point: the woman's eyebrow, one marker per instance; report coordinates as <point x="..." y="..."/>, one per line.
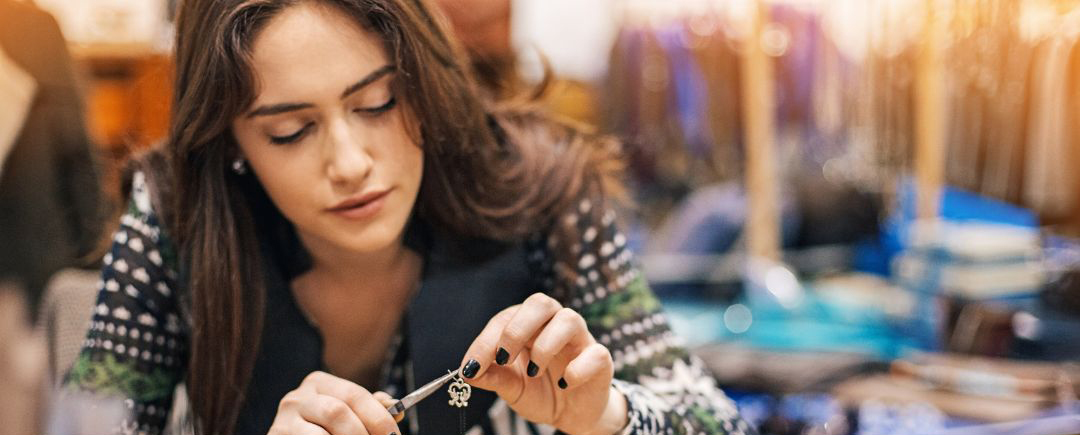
<point x="367" y="80"/>
<point x="276" y="109"/>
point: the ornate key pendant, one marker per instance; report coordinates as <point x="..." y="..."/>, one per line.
<point x="459" y="392"/>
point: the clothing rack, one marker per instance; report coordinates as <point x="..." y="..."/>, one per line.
<point x="865" y="105"/>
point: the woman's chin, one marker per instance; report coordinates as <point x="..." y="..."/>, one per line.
<point x="368" y="242"/>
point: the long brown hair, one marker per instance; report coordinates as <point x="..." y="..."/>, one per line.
<point x="491" y="172"/>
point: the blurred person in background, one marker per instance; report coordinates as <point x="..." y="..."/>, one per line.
<point x="339" y="216"/>
<point x="22" y="366"/>
<point x="482" y="27"/>
<point x="50" y="204"/>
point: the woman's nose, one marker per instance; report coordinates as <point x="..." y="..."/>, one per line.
<point x="348" y="157"/>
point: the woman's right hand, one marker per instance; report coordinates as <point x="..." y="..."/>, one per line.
<point x="327" y="405"/>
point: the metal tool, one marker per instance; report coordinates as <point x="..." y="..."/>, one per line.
<point x="421" y="393"/>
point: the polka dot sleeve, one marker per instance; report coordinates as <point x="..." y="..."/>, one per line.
<point x="588" y="266"/>
<point x="135" y="349"/>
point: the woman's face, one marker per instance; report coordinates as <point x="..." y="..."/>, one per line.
<point x="327" y="136"/>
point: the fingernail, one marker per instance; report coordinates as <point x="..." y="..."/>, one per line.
<point x="562" y="383"/>
<point x="502" y="356"/>
<point x="532" y="370"/>
<point x="470" y="369"/>
<point x="393" y="433"/>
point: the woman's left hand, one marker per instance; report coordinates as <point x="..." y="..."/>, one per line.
<point x="541" y="359"/>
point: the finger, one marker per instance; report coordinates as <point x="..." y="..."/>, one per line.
<point x="298" y="428"/>
<point x="591" y="365"/>
<point x="294" y="399"/>
<point x="526" y="323"/>
<point x="481" y="352"/>
<point x="374" y="416"/>
<point x="386" y="401"/>
<point x="557" y="366"/>
<point x="311" y="382"/>
<point x="383" y="397"/>
<point x="377" y="419"/>
<point x="567" y="328"/>
<point x="506" y="381"/>
<point x="333" y="415"/>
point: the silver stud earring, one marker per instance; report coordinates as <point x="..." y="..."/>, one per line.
<point x="459" y="392"/>
<point x="239" y="167"/>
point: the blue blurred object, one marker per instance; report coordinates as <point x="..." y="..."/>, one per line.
<point x="956" y="205"/>
<point x="819" y="413"/>
<point x="1060" y="425"/>
<point x="754" y="408"/>
<point x="815" y="409"/>
<point x="710" y="220"/>
<point x="879" y="418"/>
<point x="795" y="414"/>
<point x="933" y="264"/>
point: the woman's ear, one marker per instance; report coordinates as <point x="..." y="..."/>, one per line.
<point x="238" y="163"/>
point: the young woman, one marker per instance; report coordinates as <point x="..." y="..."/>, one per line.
<point x="338" y="219"/>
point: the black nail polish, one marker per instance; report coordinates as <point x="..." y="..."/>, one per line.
<point x="502" y="356"/>
<point x="393" y="433"/>
<point x="470" y="369"/>
<point x="562" y="383"/>
<point x="533" y="370"/>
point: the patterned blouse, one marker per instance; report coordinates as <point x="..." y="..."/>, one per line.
<point x="136" y="347"/>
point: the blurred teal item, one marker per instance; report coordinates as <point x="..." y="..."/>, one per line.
<point x="827" y="318"/>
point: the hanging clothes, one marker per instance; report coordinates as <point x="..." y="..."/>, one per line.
<point x="1050" y="174"/>
<point x="848" y="108"/>
<point x="1073" y="119"/>
<point x="965" y="75"/>
<point x="1003" y="171"/>
<point x="717" y="57"/>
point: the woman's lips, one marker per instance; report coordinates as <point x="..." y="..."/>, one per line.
<point x="362" y="207"/>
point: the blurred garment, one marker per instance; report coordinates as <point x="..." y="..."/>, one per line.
<point x="16" y="94"/>
<point x="50" y="204"/>
<point x="711" y="221"/>
<point x="22" y="374"/>
<point x="844" y="98"/>
<point x="1050" y="178"/>
<point x="69" y="295"/>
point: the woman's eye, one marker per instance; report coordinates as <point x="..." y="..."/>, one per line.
<point x="283" y="140"/>
<point x="380" y="109"/>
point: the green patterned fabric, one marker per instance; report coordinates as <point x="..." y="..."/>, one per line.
<point x="115" y="378"/>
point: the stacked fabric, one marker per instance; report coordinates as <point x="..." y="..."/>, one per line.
<point x="972" y="260"/>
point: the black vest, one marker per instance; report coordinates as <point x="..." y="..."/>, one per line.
<point x="464" y="284"/>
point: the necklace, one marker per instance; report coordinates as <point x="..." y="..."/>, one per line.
<point x="459" y="397"/>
